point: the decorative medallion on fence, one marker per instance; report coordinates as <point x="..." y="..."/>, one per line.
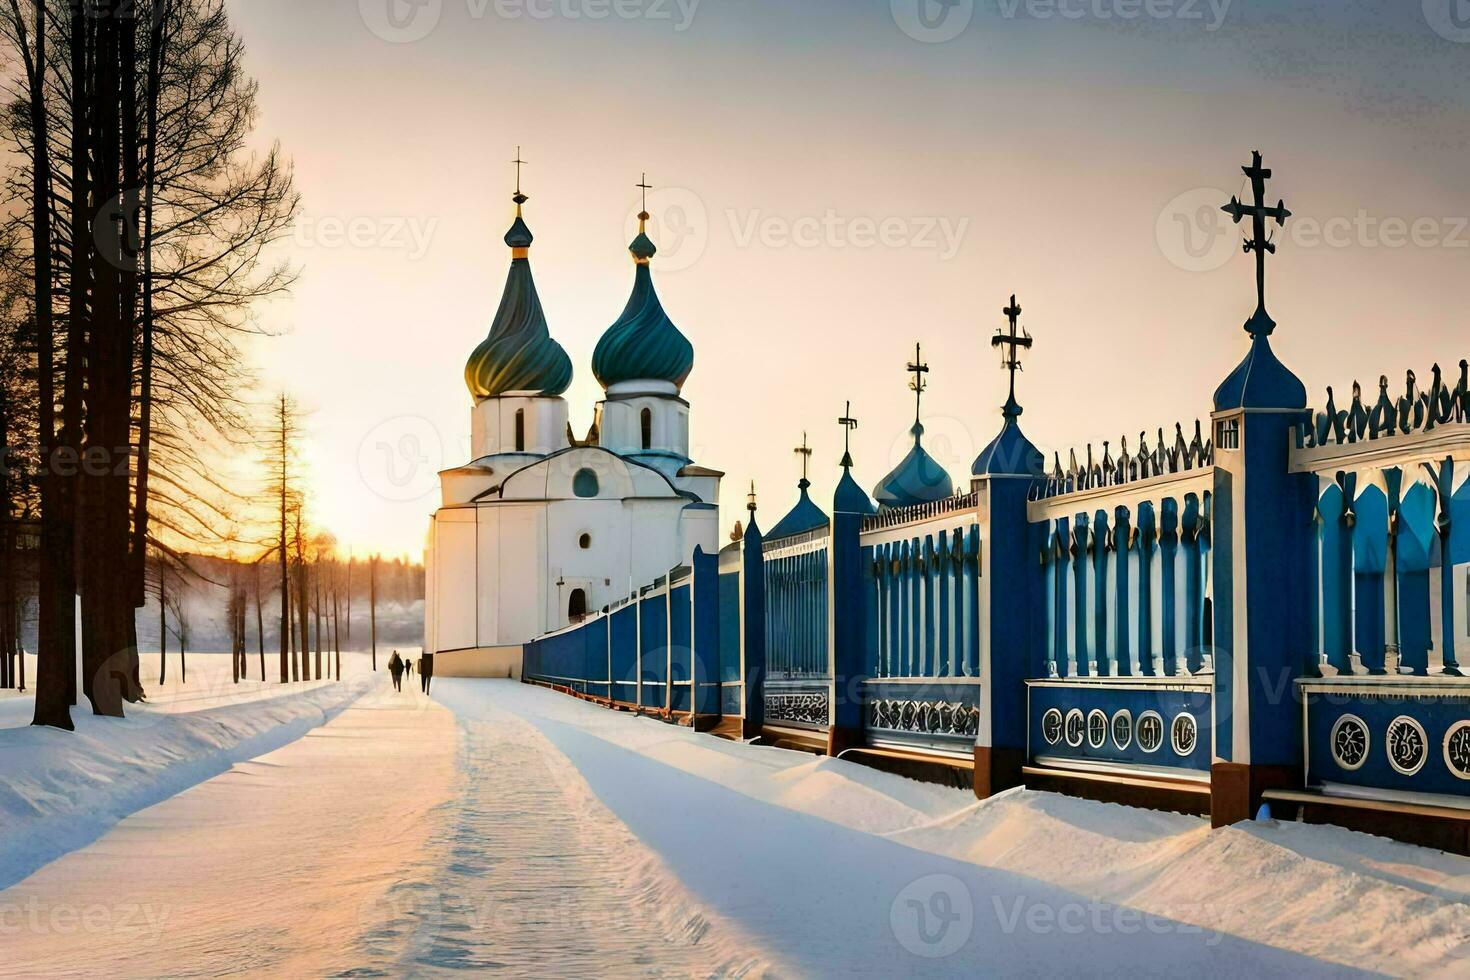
<point x="807" y="708"/>
<point x="916" y="717"/>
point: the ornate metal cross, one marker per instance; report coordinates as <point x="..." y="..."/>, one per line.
<point x="805" y="452"/>
<point x="1014" y="339"/>
<point x="1260" y="324"/>
<point x="918" y="369"/>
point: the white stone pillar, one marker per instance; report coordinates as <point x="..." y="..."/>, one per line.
<point x="1156" y="608"/>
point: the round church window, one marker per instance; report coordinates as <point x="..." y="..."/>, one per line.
<point x="585" y="541"/>
<point x="1150" y="731"/>
<point x="1076" y="727"/>
<point x="1349" y="742"/>
<point x="1184" y="733"/>
<point x="1051" y="726"/>
<point x="1122" y="729"/>
<point x="1407" y="745"/>
<point x="1457" y="749"/>
<point x="1097" y="729"/>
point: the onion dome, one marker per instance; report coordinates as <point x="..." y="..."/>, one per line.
<point x="1010" y="453"/>
<point x="1261" y="381"/>
<point x="519" y="354"/>
<point x="805" y="516"/>
<point x="918" y="479"/>
<point x="644" y="344"/>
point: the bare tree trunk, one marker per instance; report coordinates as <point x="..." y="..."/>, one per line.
<point x="259" y="623"/>
<point x="162" y="622"/>
<point x="284" y="421"/>
<point x="56" y="642"/>
<point x="373" y="606"/>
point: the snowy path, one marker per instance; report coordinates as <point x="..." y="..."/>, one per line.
<point x="275" y="867"/>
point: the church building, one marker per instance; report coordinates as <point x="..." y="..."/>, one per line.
<point x="541" y="527"/>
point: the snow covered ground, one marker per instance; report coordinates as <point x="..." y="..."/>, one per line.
<point x="60" y="790"/>
<point x="523" y="833"/>
<point x="834" y="867"/>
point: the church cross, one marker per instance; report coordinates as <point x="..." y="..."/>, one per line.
<point x="644" y="186"/>
<point x="1260" y="324"/>
<point x="848" y="423"/>
<point x="805" y="452"/>
<point x="519" y="198"/>
<point x="918" y="369"/>
<point x="1014" y="339"/>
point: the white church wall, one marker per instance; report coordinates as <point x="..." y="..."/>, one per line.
<point x="622" y="424"/>
<point x="522" y="573"/>
<point x="455" y="579"/>
<point x="463" y="484"/>
<point x="493" y="425"/>
<point x="699" y="526"/>
<point x="488" y="571"/>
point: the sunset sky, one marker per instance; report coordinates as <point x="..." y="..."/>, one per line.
<point x="831" y="188"/>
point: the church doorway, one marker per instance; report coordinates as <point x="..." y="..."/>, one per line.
<point x="577" y="606"/>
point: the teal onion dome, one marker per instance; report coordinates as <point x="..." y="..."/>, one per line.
<point x="917" y="479"/>
<point x="644" y="344"/>
<point x="519" y="353"/>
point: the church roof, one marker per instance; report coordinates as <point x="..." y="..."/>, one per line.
<point x="917" y="479"/>
<point x="643" y="344"/>
<point x="805" y="516"/>
<point x="1261" y="381"/>
<point x="1010" y="453"/>
<point x="519" y="353"/>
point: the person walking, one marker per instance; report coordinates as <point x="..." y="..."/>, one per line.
<point x="426" y="671"/>
<point x="395" y="667"/>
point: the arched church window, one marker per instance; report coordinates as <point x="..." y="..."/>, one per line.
<point x="646" y="423"/>
<point x="520" y="430"/>
<point x="577" y="606"/>
<point x="584" y="484"/>
<point x="585" y="541"/>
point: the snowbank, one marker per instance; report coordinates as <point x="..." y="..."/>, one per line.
<point x="60" y="791"/>
<point x="1348" y="900"/>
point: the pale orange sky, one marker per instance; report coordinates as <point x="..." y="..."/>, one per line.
<point x="1059" y="156"/>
